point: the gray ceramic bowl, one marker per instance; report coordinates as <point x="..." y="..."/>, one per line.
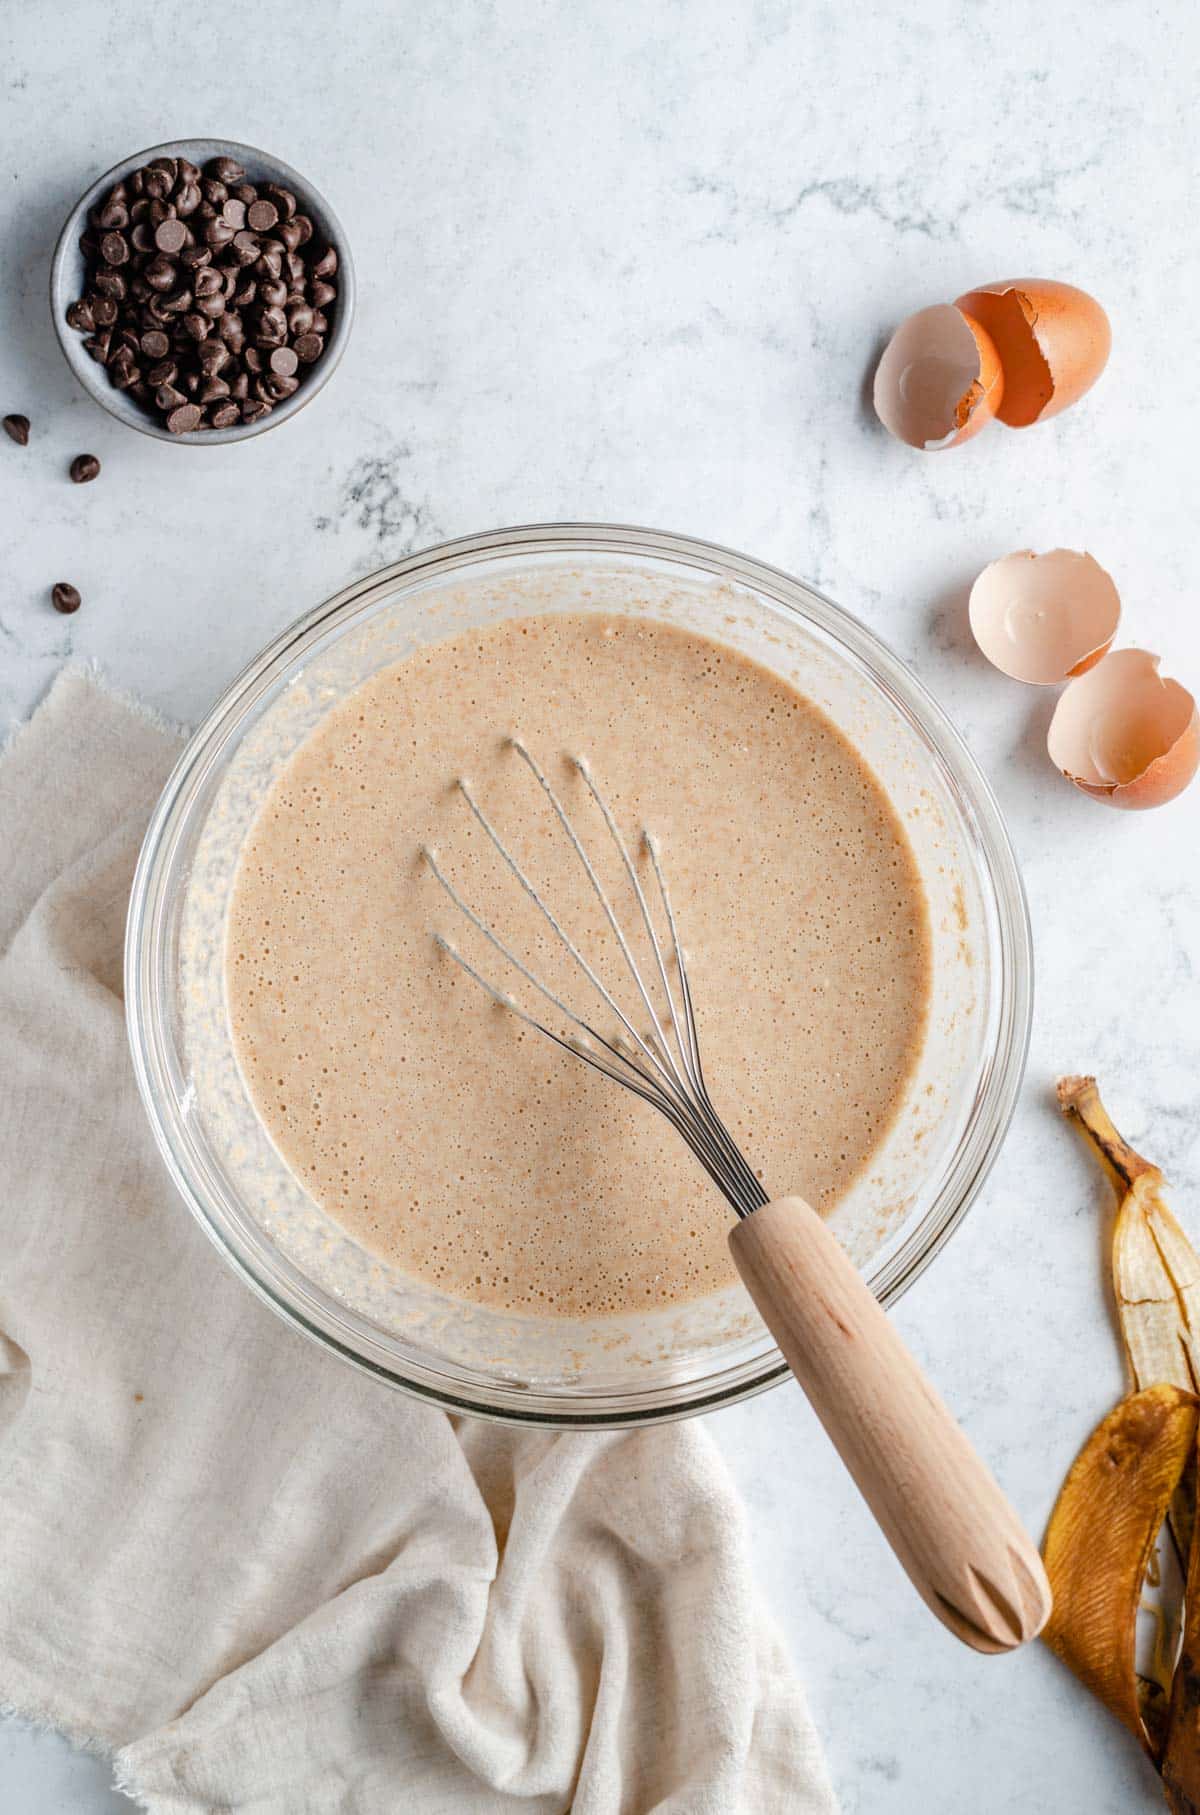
<point x="67" y="280"/>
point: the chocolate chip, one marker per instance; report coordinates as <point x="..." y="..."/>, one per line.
<point x="217" y="234"/>
<point x="111" y="283"/>
<point x="288" y="234"/>
<point x="273" y="292"/>
<point x="80" y="317"/>
<point x="187" y="199"/>
<point x="64" y="597"/>
<point x="183" y="420"/>
<point x="170" y="235"/>
<point x="17" y="429"/>
<point x="195" y="257"/>
<point x="283" y="361"/>
<point x="155" y="344"/>
<point x="164" y="373"/>
<point x="254" y="409"/>
<point x="186" y="172"/>
<point x="262" y="216"/>
<point x="165" y="163"/>
<point x="141" y="239"/>
<point x="214" y="355"/>
<point x="306" y="228"/>
<point x="284" y="200"/>
<point x="84" y="468"/>
<point x="196" y="324"/>
<point x="309" y="348"/>
<point x="252" y="359"/>
<point x="114" y="249"/>
<point x="225" y="415"/>
<point x="167" y="397"/>
<point x="104" y="310"/>
<point x="225" y="170"/>
<point x="161" y="274"/>
<point x="272" y="326"/>
<point x="97" y="346"/>
<point x="114" y="214"/>
<point x="299" y="318"/>
<point x="327" y="264"/>
<point x="211" y="306"/>
<point x="213" y="390"/>
<point x="282" y="386"/>
<point x="233" y="213"/>
<point x="122" y="369"/>
<point x="239" y="387"/>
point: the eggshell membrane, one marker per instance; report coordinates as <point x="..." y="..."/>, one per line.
<point x="1053" y="341"/>
<point x="1125" y="734"/>
<point x="939" y="379"/>
<point x="1040" y="618"/>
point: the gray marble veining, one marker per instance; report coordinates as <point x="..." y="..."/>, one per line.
<point x="636" y="263"/>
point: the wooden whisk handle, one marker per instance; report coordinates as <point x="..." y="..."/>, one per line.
<point x="938" y="1504"/>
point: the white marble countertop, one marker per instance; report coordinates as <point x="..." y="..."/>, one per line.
<point x="635" y="263"/>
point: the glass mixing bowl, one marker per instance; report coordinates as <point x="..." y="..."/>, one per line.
<point x="542" y="1370"/>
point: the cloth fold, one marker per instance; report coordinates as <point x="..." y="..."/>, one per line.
<point x="265" y="1582"/>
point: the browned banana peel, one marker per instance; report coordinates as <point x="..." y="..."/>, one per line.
<point x="1138" y="1466"/>
<point x="1099" y="1544"/>
<point x="1156" y="1273"/>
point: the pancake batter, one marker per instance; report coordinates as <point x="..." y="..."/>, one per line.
<point x="434" y="1127"/>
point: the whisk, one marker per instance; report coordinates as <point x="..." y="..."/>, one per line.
<point x="940" y="1508"/>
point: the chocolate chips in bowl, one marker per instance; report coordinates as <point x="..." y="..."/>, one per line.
<point x="202" y="291"/>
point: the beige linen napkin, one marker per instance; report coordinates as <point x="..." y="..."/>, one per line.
<point x="263" y="1581"/>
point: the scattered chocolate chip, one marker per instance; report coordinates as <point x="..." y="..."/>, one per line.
<point x="17" y="429"/>
<point x="65" y="597"/>
<point x="84" y="468"/>
<point x="184" y="419"/>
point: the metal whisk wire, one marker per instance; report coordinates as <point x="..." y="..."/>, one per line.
<point x="661" y="1066"/>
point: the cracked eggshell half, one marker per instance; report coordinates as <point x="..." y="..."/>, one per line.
<point x="939" y="380"/>
<point x="1125" y="734"/>
<point x="1043" y="618"/>
<point x="1053" y="343"/>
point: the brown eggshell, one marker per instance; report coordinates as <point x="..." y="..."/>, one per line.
<point x="1040" y="618"/>
<point x="1053" y="341"/>
<point x="1125" y="734"/>
<point x="939" y="379"/>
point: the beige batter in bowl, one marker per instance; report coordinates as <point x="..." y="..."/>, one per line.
<point x="607" y="1370"/>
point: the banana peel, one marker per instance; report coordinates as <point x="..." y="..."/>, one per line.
<point x="1156" y="1275"/>
<point x="1137" y="1469"/>
<point x="1099" y="1544"/>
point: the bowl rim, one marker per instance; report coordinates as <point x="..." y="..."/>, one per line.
<point x="996" y="1096"/>
<point x="62" y="292"/>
